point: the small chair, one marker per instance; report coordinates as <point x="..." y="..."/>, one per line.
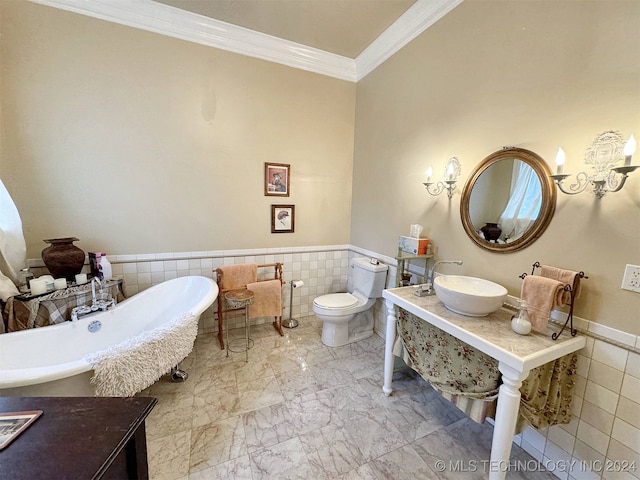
<point x="244" y="276"/>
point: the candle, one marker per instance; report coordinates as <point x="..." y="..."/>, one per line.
<point x="560" y="157"/>
<point x="38" y="286"/>
<point x="629" y="149"/>
<point x="450" y="171"/>
<point x="60" y="283"/>
<point x="81" y="278"/>
<point x="429" y="173"/>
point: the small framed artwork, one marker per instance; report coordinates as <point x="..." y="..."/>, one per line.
<point x="283" y="218"/>
<point x="276" y="179"/>
<point x="13" y="424"/>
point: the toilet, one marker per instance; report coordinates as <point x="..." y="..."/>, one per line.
<point x="347" y="317"/>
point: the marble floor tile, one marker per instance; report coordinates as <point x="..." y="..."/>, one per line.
<point x="301" y="410"/>
<point x="374" y="434"/>
<point x="331" y="451"/>
<point x="284" y="460"/>
<point x="267" y="426"/>
<point x="238" y="469"/>
<point x="450" y="457"/>
<point x="402" y="464"/>
<point x="217" y="443"/>
<point x="168" y="456"/>
<point x="259" y="393"/>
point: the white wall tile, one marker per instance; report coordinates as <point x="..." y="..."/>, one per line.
<point x="143" y="267"/>
<point x="633" y="364"/>
<point x="629" y="411"/>
<point x="129" y="268"/>
<point x="534" y="438"/>
<point x="597" y="417"/>
<point x="593" y="437"/>
<point x="605" y="376"/>
<point x="627" y="460"/>
<point x="630" y="387"/>
<point x="561" y="438"/>
<point x="626" y="434"/>
<point x="611" y="355"/>
<point x="601" y="397"/>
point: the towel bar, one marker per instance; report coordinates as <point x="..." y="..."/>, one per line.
<point x="568" y="288"/>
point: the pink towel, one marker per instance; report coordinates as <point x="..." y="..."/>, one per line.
<point x="267" y="301"/>
<point x="238" y="276"/>
<point x="542" y="295"/>
<point x="564" y="276"/>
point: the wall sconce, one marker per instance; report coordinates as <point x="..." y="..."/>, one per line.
<point x="605" y="151"/>
<point x="452" y="172"/>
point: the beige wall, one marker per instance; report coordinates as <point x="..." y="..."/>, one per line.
<point x="139" y="143"/>
<point x="492" y="73"/>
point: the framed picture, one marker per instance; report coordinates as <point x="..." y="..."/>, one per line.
<point x="276" y="179"/>
<point x="13" y="424"/>
<point x="283" y="218"/>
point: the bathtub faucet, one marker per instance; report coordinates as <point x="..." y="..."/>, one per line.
<point x="95" y="303"/>
<point x="99" y="304"/>
<point x="428" y="287"/>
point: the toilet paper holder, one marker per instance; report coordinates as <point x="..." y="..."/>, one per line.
<point x="292" y="322"/>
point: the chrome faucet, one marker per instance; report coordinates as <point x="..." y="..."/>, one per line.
<point x="95" y="303"/>
<point x="94" y="281"/>
<point x="428" y="289"/>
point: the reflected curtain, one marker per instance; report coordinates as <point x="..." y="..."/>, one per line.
<point x="525" y="201"/>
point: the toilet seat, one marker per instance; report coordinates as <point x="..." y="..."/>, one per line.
<point x="336" y="301"/>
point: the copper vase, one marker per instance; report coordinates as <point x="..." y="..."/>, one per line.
<point x="63" y="258"/>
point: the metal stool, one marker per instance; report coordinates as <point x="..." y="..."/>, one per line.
<point x="240" y="299"/>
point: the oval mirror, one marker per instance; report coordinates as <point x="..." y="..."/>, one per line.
<point x="508" y="201"/>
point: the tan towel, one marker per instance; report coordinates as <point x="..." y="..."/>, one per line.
<point x="542" y="295"/>
<point x="237" y="276"/>
<point x="564" y="276"/>
<point x="267" y="301"/>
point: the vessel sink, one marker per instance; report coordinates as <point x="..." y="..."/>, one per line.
<point x="470" y="296"/>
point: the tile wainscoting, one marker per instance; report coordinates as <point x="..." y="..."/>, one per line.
<point x="603" y="439"/>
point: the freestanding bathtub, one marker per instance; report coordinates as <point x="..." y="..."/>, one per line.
<point x="50" y="361"/>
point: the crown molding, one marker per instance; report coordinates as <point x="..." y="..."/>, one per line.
<point x="420" y="16"/>
<point x="166" y="20"/>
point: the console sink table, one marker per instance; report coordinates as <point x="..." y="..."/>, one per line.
<point x="492" y="335"/>
<point x="78" y="438"/>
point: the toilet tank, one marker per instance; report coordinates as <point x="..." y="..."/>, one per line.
<point x="368" y="279"/>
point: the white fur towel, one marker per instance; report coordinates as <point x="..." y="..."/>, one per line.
<point x="134" y="364"/>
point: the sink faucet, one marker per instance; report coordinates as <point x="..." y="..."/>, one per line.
<point x="428" y="287"/>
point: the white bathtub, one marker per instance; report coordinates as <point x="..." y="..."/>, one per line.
<point x="49" y="361"/>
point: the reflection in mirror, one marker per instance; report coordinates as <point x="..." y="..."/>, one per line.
<point x="508" y="194"/>
<point x="508" y="201"/>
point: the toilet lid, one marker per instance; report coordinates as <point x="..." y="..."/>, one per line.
<point x="336" y="300"/>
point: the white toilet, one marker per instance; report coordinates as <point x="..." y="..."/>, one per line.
<point x="347" y="317"/>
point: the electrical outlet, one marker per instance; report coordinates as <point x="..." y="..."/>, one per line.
<point x="631" y="279"/>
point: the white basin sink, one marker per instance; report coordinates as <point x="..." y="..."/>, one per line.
<point x="470" y="296"/>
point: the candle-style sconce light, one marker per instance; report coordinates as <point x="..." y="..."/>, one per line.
<point x="451" y="174"/>
<point x="603" y="155"/>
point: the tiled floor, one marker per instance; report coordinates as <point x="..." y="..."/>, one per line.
<point x="300" y="410"/>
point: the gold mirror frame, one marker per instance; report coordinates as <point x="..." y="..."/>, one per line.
<point x="547" y="208"/>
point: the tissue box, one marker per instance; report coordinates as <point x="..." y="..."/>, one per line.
<point x="417" y="246"/>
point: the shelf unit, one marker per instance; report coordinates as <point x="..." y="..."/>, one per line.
<point x="403" y="257"/>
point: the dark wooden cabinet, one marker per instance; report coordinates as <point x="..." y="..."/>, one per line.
<point x="79" y="438"/>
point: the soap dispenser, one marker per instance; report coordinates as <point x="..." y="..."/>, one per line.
<point x="520" y="323"/>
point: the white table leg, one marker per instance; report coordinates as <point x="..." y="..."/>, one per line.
<point x="390" y="337"/>
<point x="506" y="418"/>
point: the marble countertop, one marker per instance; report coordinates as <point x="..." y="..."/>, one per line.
<point x="491" y="334"/>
